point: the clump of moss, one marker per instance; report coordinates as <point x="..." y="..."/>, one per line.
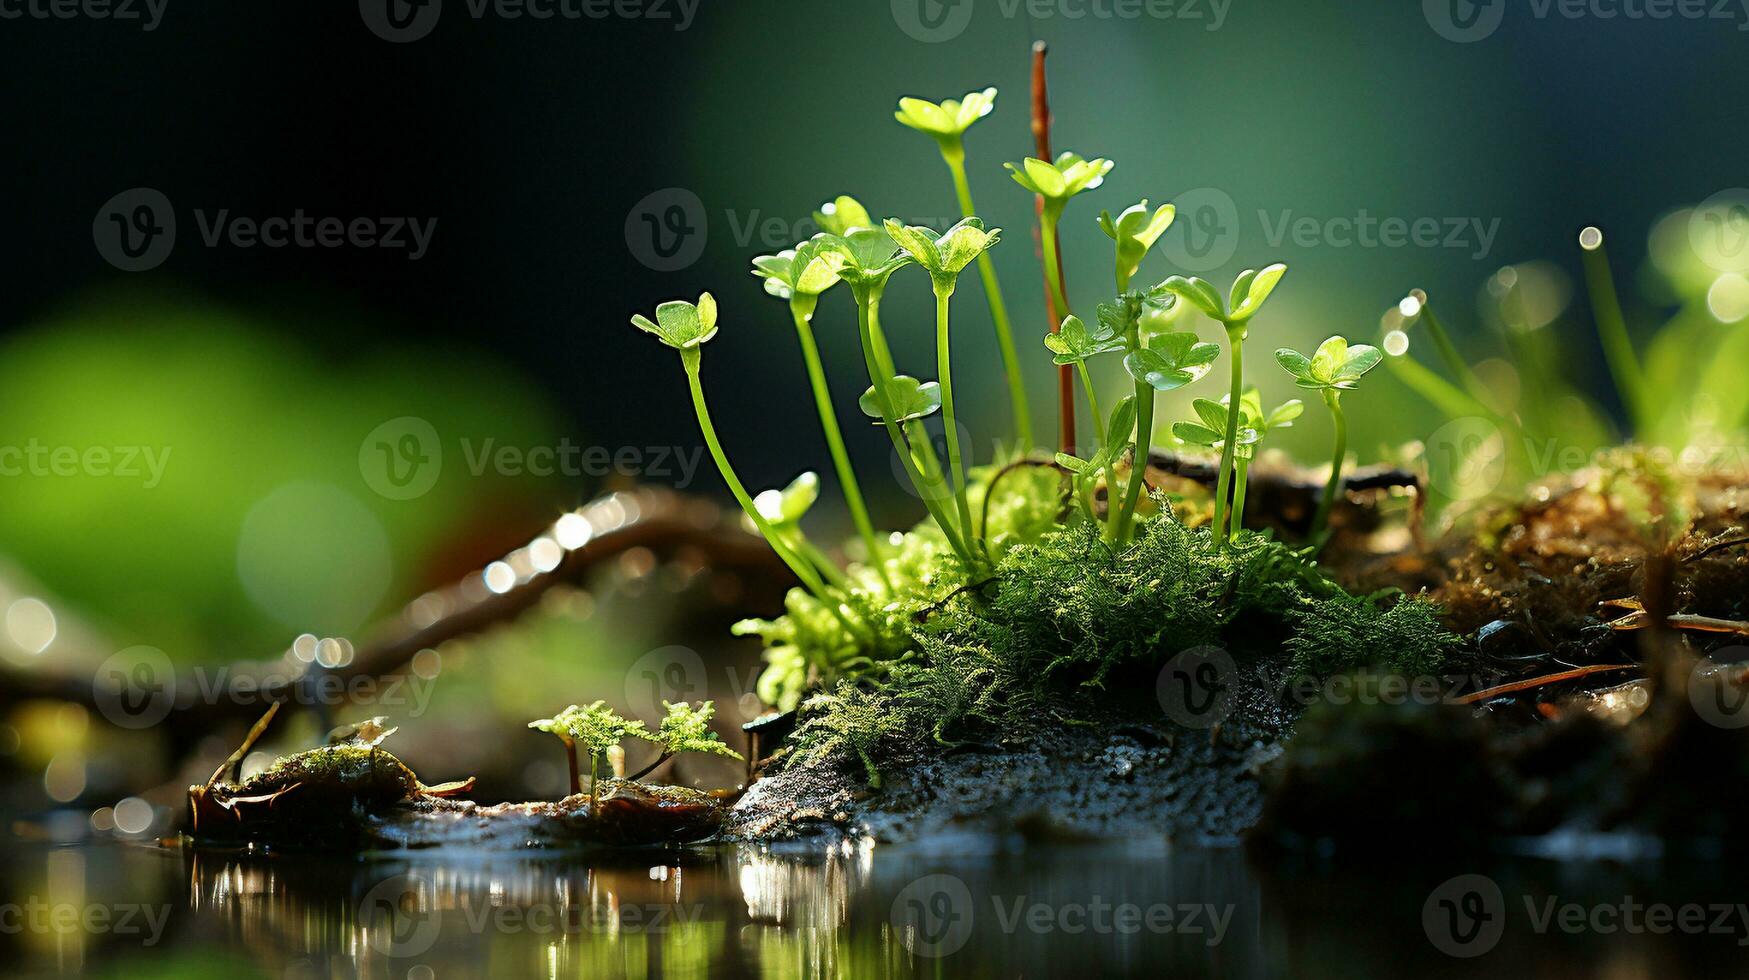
<point x="1064" y="614"/>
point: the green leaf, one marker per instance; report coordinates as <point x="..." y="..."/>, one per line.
<point x="911" y="399"/>
<point x="786" y="506"/>
<point x="1073" y="464"/>
<point x="1074" y="342"/>
<point x="594" y="729"/>
<point x="918" y="241"/>
<point x="1328" y="359"/>
<point x="1284" y="414"/>
<point x="1135" y="231"/>
<point x="842" y="215"/>
<point x="870" y="255"/>
<point x="1172" y="361"/>
<point x="686" y="729"/>
<point x="1199" y="294"/>
<point x="1258" y="286"/>
<point x="1361" y="359"/>
<point x="682" y="325"/>
<point x="1197" y="435"/>
<point x="1123" y="423"/>
<point x="809" y="269"/>
<point x="1213" y="414"/>
<point x="948" y="120"/>
<point x="1295" y="363"/>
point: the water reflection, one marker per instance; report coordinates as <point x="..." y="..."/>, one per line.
<point x="970" y="906"/>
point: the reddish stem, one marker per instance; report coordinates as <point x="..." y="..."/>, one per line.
<point x="1041" y="134"/>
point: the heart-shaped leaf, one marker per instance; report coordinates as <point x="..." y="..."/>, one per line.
<point x="911" y="399"/>
<point x="948" y="120"/>
<point x="1213" y="414"/>
<point x="1197" y="434"/>
<point x="1334" y="365"/>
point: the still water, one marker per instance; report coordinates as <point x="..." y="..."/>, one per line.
<point x="959" y="907"/>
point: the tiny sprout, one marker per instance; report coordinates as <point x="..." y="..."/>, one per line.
<point x="681" y="325"/>
<point x="1135" y="231"/>
<point x="1210" y="429"/>
<point x="870" y="256"/>
<point x="949" y="119"/>
<point x="1250" y="291"/>
<point x="842" y="215"/>
<point x="1055" y="183"/>
<point x="944" y="257"/>
<point x="1059" y="181"/>
<point x="947" y="122"/>
<point x="687" y="729"/>
<point x="1334" y="368"/>
<point x="1075" y="342"/>
<point x="908" y="398"/>
<point x="597" y="729"/>
<point x="685" y="327"/>
<point x="800" y="275"/>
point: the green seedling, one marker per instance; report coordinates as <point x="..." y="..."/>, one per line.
<point x="946" y="122"/>
<point x="1055" y="183"/>
<point x="1334" y="368"/>
<point x="1211" y="431"/>
<point x="800" y="275"/>
<point x="1250" y="291"/>
<point x="870" y="258"/>
<point x="1252" y="416"/>
<point x="842" y="215"/>
<point x="595" y="729"/>
<point x="1074" y="343"/>
<point x="784" y="509"/>
<point x="944" y="257"/>
<point x="1612" y="331"/>
<point x="1135" y="230"/>
<point x="685" y="729"/>
<point x="686" y="327"/>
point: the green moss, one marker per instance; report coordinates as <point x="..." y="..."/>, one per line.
<point x="1063" y="614"/>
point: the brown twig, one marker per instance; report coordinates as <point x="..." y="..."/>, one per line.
<point x="1041" y="135"/>
<point x="1525" y="685"/>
